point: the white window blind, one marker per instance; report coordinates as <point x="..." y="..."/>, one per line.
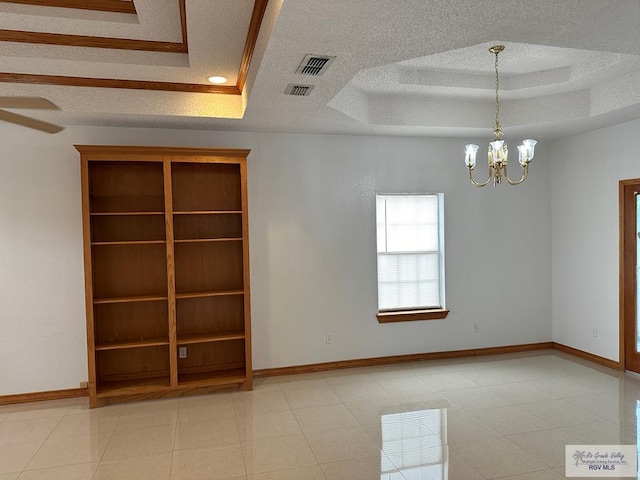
<point x="410" y="253"/>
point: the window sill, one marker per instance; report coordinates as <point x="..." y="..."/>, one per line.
<point x="411" y="315"/>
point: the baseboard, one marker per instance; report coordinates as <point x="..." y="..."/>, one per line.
<point x="362" y="362"/>
<point x="587" y="356"/>
<point x="367" y="362"/>
<point x="42" y="396"/>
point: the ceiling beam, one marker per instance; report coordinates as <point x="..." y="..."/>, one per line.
<point x="118" y="6"/>
<point x="42" y="38"/>
<point x="117" y="83"/>
<point x="259" y="7"/>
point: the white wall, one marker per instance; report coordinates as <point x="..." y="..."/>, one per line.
<point x="313" y="249"/>
<point x="312" y="238"/>
<point x="585" y="171"/>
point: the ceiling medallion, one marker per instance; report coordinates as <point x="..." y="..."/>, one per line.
<point x="498" y="153"/>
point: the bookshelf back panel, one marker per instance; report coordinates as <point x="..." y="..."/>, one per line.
<point x="123" y="228"/>
<point x="129" y="270"/>
<point x="202" y="186"/>
<point x="187" y="227"/>
<point x="122" y="322"/>
<point x="131" y="363"/>
<point x="208" y="267"/>
<point x="209" y="357"/>
<point x="126" y="187"/>
<point x="197" y="316"/>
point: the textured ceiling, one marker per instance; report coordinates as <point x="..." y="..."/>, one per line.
<point x="403" y="67"/>
<point x="539" y="84"/>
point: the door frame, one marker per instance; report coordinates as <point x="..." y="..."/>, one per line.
<point x="627" y="273"/>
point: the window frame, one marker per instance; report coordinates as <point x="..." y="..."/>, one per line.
<point x="417" y="313"/>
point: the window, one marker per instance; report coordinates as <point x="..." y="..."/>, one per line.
<point x="410" y="257"/>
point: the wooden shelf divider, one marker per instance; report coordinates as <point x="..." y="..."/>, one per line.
<point x="133" y="387"/>
<point x="123" y="214"/>
<point x="204" y="240"/>
<point x="140" y="298"/>
<point x="151" y="342"/>
<point x="209" y="294"/>
<point x="208" y="212"/>
<point x="207" y="338"/>
<point x="127" y="242"/>
<point x="227" y="377"/>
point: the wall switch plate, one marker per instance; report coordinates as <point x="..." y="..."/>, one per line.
<point x="182" y="352"/>
<point x="594" y="332"/>
<point x="475" y="328"/>
<point x="329" y="338"/>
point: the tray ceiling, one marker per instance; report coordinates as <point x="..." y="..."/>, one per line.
<point x="412" y="67"/>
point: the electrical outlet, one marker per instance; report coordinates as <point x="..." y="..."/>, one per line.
<point x="182" y="352"/>
<point x="329" y="338"/>
<point x="475" y="327"/>
<point x="594" y="332"/>
<point x="84" y="384"/>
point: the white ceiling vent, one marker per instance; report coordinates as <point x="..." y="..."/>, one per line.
<point x="315" y="64"/>
<point x="298" y="90"/>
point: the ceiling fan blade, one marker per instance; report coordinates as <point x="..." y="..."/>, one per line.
<point x="35" y="103"/>
<point x="29" y="122"/>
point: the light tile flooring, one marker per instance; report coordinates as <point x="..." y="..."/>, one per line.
<point x="504" y="416"/>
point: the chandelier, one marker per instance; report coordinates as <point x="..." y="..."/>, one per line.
<point x="498" y="153"/>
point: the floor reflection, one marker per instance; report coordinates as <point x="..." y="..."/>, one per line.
<point x="414" y="445"/>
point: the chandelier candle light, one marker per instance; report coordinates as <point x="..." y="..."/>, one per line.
<point x="498" y="153"/>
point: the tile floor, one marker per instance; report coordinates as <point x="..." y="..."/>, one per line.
<point x="504" y="416"/>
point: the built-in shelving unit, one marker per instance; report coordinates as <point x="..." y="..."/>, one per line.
<point x="166" y="269"/>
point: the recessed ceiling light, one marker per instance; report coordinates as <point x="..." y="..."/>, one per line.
<point x="218" y="79"/>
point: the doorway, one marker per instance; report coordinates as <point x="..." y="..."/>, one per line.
<point x="629" y="275"/>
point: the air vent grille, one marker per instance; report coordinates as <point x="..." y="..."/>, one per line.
<point x="314" y="64"/>
<point x="298" y="90"/>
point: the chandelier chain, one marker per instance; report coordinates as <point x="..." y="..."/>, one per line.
<point x="498" y="128"/>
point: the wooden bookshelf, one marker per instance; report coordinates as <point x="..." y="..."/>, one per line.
<point x="166" y="269"/>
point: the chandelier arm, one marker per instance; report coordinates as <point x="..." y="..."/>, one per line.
<point x="525" y="172"/>
<point x="476" y="184"/>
